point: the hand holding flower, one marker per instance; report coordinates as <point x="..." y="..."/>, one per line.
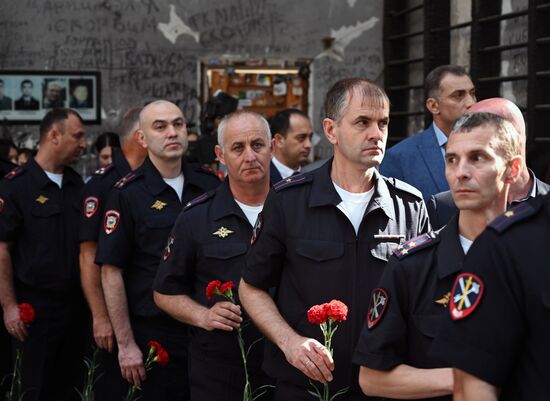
<point x="130" y="359"/>
<point x="222" y="316"/>
<point x="311" y="357"/>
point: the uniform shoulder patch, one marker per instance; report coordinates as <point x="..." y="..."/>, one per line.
<point x="465" y="296"/>
<point x="404" y="187"/>
<point x="512" y="216"/>
<point x="377" y="306"/>
<point x="199" y="199"/>
<point x="416" y="244"/>
<point x="104" y="170"/>
<point x="128" y="178"/>
<point x="291" y="181"/>
<point x="16" y="172"/>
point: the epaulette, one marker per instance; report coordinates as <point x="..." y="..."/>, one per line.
<point x="128" y="178"/>
<point x="199" y="199"/>
<point x="416" y="244"/>
<point x="404" y="186"/>
<point x="291" y="181"/>
<point x="513" y="215"/>
<point x="105" y="169"/>
<point x="15" y="173"/>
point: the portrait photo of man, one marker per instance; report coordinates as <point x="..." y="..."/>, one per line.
<point x="27" y="101"/>
<point x="81" y="93"/>
<point x="55" y="93"/>
<point x="5" y="101"/>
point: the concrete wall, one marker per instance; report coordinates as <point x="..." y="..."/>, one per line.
<point x="148" y="49"/>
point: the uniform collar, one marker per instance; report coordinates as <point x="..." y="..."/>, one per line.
<point x="120" y="162"/>
<point x="70" y="177"/>
<point x="323" y="192"/>
<point x="224" y="204"/>
<point x="153" y="179"/>
<point x="450" y="255"/>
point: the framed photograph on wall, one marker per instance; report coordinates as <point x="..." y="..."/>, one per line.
<point x="26" y="96"/>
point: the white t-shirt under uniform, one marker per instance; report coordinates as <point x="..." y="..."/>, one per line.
<point x="354" y="204"/>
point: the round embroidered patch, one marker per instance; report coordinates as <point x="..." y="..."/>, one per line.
<point x="91" y="205"/>
<point x="377" y="306"/>
<point x="465" y="296"/>
<point x="112" y="218"/>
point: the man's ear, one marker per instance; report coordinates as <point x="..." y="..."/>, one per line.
<point x="278" y="140"/>
<point x="432" y="105"/>
<point x="219" y="154"/>
<point x="329" y="126"/>
<point x="54" y="134"/>
<point x="140" y="136"/>
<point x="513" y="170"/>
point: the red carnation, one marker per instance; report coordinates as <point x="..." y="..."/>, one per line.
<point x="26" y="313"/>
<point x="226" y="286"/>
<point x="336" y="310"/>
<point x="156" y="345"/>
<point x="317" y="314"/>
<point x="213" y="288"/>
<point x="162" y="357"/>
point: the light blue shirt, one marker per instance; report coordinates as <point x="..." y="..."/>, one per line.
<point x="441" y="139"/>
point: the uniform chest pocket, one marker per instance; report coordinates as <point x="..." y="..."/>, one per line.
<point x="161" y="221"/>
<point x="46" y="210"/>
<point x="224" y="251"/>
<point x="428" y="325"/>
<point x="319" y="251"/>
<point x="382" y="249"/>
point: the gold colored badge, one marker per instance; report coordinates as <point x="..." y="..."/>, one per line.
<point x="158" y="205"/>
<point x="41" y="199"/>
<point x="509" y="213"/>
<point x="223" y="232"/>
<point x="445" y="300"/>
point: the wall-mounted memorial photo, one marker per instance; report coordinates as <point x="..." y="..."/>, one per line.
<point x="26" y="96"/>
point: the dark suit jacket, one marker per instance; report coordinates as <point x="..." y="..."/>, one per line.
<point x="417" y="161"/>
<point x="274" y="175"/>
<point x="441" y="207"/>
<point x="32" y="105"/>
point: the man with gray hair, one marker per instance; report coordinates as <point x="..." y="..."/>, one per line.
<point x="94" y="198"/>
<point x="327" y="235"/>
<point x="209" y="242"/>
<point x="483" y="160"/>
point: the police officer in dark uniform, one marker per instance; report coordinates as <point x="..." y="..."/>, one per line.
<point x="328" y="235"/>
<point x="483" y="159"/>
<point x="209" y="242"/>
<point x="111" y="385"/>
<point x="497" y="339"/>
<point x="39" y="204"/>
<point x="140" y="213"/>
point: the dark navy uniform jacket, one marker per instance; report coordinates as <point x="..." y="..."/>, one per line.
<point x="504" y="340"/>
<point x="95" y="193"/>
<point x="209" y="242"/>
<point x="308" y="249"/>
<point x="39" y="218"/>
<point x="417" y="280"/>
<point x="139" y="216"/>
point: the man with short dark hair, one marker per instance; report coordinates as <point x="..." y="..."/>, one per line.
<point x="94" y="199"/>
<point x="27" y="101"/>
<point x="139" y="216"/>
<point x="327" y="235"/>
<point x="39" y="260"/>
<point x="527" y="187"/>
<point x="5" y="101"/>
<point x="292" y="135"/>
<point x="483" y="159"/>
<point x="419" y="160"/>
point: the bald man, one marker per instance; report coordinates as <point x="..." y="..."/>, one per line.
<point x="140" y="213"/>
<point x="441" y="206"/>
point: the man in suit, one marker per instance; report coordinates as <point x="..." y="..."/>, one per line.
<point x="26" y="101"/>
<point x="419" y="160"/>
<point x="5" y="101"/>
<point x="292" y="134"/>
<point x="441" y="206"/>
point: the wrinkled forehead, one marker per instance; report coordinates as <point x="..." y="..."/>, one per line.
<point x="369" y="96"/>
<point x="243" y="126"/>
<point x="160" y="110"/>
